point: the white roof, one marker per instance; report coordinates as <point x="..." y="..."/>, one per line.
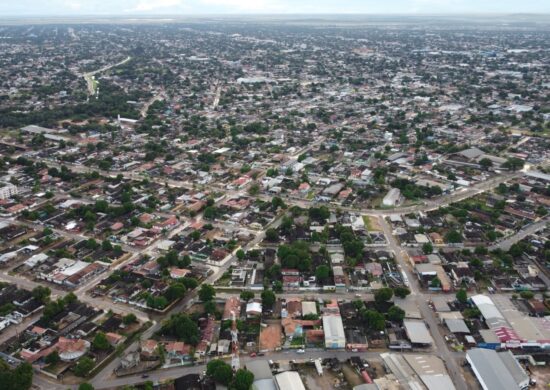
<point x="493" y="317"/>
<point x="333" y="327"/>
<point x="74" y="268"/>
<point x="289" y="380"/>
<point x="254" y="307"/>
<point x="36" y="259"/>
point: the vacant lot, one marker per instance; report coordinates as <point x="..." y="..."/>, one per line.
<point x="270" y="337"/>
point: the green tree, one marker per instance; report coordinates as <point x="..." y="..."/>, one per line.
<point x="243" y="380"/>
<point x="182" y="328"/>
<point x="210" y="212"/>
<point x="84" y="366"/>
<point x="268" y="299"/>
<point x="485" y="163"/>
<point x="52" y="358"/>
<point x="100" y="341"/>
<point x="462" y="296"/>
<point x="207" y="292"/>
<point x="41" y="293"/>
<point x="396" y="314"/>
<point x="271" y="235"/>
<point x="85" y="386"/>
<point x="374" y="320"/>
<point x="254" y="189"/>
<point x="210" y="307"/>
<point x="240" y="255"/>
<point x="220" y="371"/>
<point x="129" y="319"/>
<point x="401" y="292"/>
<point x="19" y="378"/>
<point x="70" y="298"/>
<point x="527" y="294"/>
<point x="175" y="291"/>
<point x="247" y="295"/>
<point x="383" y="295"/>
<point x="435" y="282"/>
<point x="513" y="163"/>
<point x="427" y="248"/>
<point x="106" y="246"/>
<point x="322" y="273"/>
<point x="453" y="237"/>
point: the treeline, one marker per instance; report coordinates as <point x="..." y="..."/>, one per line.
<point x="111" y="102"/>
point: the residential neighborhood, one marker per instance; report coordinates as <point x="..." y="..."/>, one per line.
<point x="275" y="204"/>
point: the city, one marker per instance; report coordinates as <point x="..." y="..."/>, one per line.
<point x="275" y="203"/>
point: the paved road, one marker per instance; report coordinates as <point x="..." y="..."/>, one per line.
<point x="89" y="75"/>
<point x="145" y="109"/>
<point x="520" y="235"/>
<point x="163" y="375"/>
<point x="427" y="205"/>
<point x="440" y="347"/>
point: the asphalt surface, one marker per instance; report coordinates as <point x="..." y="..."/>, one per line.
<point x="440" y="346"/>
<point x="520" y="235"/>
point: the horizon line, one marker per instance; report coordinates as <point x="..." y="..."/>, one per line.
<point x="201" y="14"/>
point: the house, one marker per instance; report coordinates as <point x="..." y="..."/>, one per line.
<point x="114" y="339"/>
<point x="253" y="309"/>
<point x="178" y="350"/>
<point x="232" y="308"/>
<point x="149" y="348"/>
<point x="178" y="273"/>
<point x="436" y="238"/>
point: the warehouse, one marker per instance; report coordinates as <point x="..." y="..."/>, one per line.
<point x="496" y="371"/>
<point x="418" y="333"/>
<point x="289" y="380"/>
<point x="333" y="327"/>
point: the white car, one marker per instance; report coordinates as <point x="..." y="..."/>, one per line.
<point x="300" y="351"/>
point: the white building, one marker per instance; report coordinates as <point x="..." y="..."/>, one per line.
<point x="333" y="327"/>
<point x="392" y="198"/>
<point x="289" y="380"/>
<point x="8" y="190"/>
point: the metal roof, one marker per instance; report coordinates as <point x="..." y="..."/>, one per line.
<point x="260" y="369"/>
<point x="457" y="326"/>
<point x="289" y="380"/>
<point x="333" y="327"/>
<point x="517" y="371"/>
<point x="417" y="332"/>
<point x="490" y="371"/>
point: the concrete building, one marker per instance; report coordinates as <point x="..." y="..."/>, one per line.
<point x="333" y="327"/>
<point x="392" y="198"/>
<point x="7" y="190"/>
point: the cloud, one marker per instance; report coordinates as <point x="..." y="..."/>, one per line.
<point x="152" y="5"/>
<point x="73" y="5"/>
<point x="246" y="5"/>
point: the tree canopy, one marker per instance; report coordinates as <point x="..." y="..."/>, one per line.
<point x="181" y="327"/>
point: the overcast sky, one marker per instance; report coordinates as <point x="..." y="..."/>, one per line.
<point x="185" y="7"/>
